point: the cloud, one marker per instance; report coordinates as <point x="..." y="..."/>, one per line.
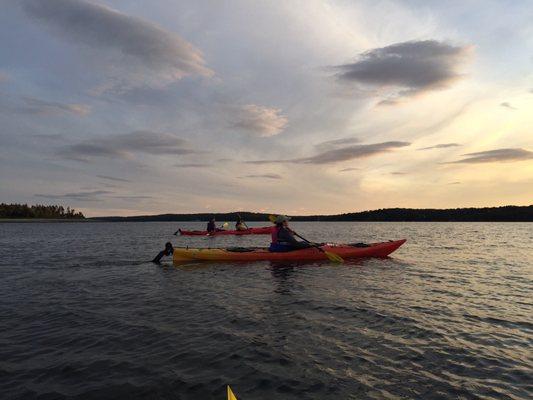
<point x="454" y="183"/>
<point x="351" y="152"/>
<point x="33" y="106"/>
<point x="41" y="107"/>
<point x="259" y="120"/>
<point x="338" y="142"/>
<point x="440" y="146"/>
<point x="407" y="68"/>
<point x="349" y="169"/>
<point x="136" y="50"/>
<point x="398" y="173"/>
<point x="497" y="155"/>
<point x="507" y="105"/>
<point x="266" y="176"/>
<point x="342" y="154"/>
<point x="132" y="197"/>
<point x="93" y="195"/>
<point x="49" y="136"/>
<point x="125" y="145"/>
<point x="112" y="178"/>
<point x="192" y="165"/>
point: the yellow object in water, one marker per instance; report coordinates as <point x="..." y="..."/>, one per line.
<point x="231" y="396"/>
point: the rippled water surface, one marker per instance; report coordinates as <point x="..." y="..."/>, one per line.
<point x="84" y="315"/>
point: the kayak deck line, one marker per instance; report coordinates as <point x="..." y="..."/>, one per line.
<point x="346" y="251"/>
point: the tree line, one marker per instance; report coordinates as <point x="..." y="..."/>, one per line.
<point x="486" y="214"/>
<point x="38" y="211"/>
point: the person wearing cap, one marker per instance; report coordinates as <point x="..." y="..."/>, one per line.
<point x="283" y="238"/>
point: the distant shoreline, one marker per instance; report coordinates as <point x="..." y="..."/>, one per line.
<point x="487" y="214"/>
<point x="44" y="220"/>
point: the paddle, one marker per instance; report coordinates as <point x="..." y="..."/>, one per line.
<point x="231" y="395"/>
<point x="331" y="256"/>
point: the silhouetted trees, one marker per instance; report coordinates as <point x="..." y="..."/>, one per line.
<point x="38" y="211"/>
<point x="488" y="214"/>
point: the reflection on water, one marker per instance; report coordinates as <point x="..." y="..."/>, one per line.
<point x="448" y="316"/>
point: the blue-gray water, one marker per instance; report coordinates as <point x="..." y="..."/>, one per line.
<point x="83" y="315"/>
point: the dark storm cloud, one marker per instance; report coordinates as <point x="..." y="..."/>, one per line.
<point x="265" y="176"/>
<point x="123" y="146"/>
<point x="112" y="178"/>
<point x="137" y="43"/>
<point x="93" y="195"/>
<point x="440" y="146"/>
<point x="507" y="105"/>
<point x="342" y="154"/>
<point x="498" y="155"/>
<point x="411" y="67"/>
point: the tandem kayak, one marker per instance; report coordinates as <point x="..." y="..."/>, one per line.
<point x="346" y="251"/>
<point x="265" y="230"/>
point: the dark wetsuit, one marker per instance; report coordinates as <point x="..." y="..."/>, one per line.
<point x="284" y="240"/>
<point x="211" y="227"/>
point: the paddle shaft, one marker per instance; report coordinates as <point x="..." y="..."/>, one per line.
<point x="307" y="241"/>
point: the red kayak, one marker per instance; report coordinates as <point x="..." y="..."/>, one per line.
<point x="346" y="251"/>
<point x="265" y="230"/>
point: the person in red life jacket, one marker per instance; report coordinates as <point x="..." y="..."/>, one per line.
<point x="283" y="238"/>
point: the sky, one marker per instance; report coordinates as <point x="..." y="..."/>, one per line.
<point x="134" y="107"/>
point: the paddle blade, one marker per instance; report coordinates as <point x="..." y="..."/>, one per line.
<point x="272" y="218"/>
<point x="334" y="257"/>
<point x="225" y="225"/>
<point x="231" y="396"/>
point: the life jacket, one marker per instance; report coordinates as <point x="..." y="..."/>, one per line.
<point x="275" y="232"/>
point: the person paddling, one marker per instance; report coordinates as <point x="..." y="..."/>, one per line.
<point x="166" y="252"/>
<point x="283" y="237"/>
<point x="212" y="228"/>
<point x="240" y="225"/>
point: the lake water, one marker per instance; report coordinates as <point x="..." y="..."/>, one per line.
<point x="84" y="315"/>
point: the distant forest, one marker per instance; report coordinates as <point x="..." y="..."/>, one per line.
<point x="487" y="214"/>
<point x="38" y="211"/>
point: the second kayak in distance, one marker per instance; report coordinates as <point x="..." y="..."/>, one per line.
<point x="265" y="230"/>
<point x="346" y="251"/>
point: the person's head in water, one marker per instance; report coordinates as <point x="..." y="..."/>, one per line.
<point x="282" y="220"/>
